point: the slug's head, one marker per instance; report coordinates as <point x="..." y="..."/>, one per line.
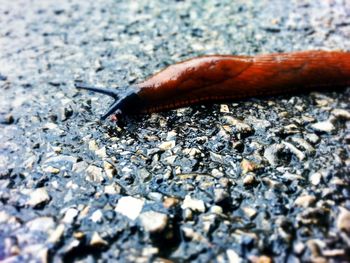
<point x="126" y="101"/>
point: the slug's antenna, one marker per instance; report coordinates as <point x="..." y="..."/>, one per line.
<point x="110" y="92"/>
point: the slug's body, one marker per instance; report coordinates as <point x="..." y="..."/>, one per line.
<point x="221" y="77"/>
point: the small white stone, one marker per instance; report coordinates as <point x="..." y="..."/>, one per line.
<point x="341" y="114"/>
<point x="343" y="220"/>
<point x="315" y="178"/>
<point x="216" y="209"/>
<point x="299" y="154"/>
<point x="170" y="160"/>
<point x="232" y="256"/>
<point x="93" y="145"/>
<point x="112" y="189"/>
<point x="193" y="204"/>
<point x="191" y="151"/>
<point x="239" y="125"/>
<point x="224" y="108"/>
<point x="130" y="207"/>
<point x="109" y="169"/>
<point x="313" y="138"/>
<point x="70" y="215"/>
<point x="96" y="216"/>
<point x="249" y="212"/>
<point x="56" y="235"/>
<point x="167" y="145"/>
<point x="248" y="179"/>
<point x="324" y="126"/>
<point x="101" y="152"/>
<point x="153" y="221"/>
<point x="216" y="173"/>
<point x="50" y="169"/>
<point x="43" y="224"/>
<point x="171" y="135"/>
<point x="38" y="196"/>
<point x="305" y="200"/>
<point x="97" y="240"/>
<point x="94" y="174"/>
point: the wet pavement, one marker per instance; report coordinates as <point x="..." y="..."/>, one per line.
<point x="260" y="180"/>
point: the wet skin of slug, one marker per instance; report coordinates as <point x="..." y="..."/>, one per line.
<point x="224" y="77"/>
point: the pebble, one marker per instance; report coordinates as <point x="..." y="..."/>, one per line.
<point x="7" y="119"/>
<point x="93" y="145"/>
<point x="249" y="179"/>
<point x="130" y="206"/>
<point x="258" y="124"/>
<point x="96" y="217"/>
<point x="170" y="159"/>
<point x="304" y="144"/>
<point x="324" y="126"/>
<point x="170" y="202"/>
<point x="164" y="146"/>
<point x="343" y="220"/>
<point x="271" y="153"/>
<point x="220" y="194"/>
<point x="341" y="114"/>
<point x="191" y="151"/>
<point x="171" y="135"/>
<point x="224" y="108"/>
<point x="263" y="259"/>
<point x="97" y="240"/>
<point x="38" y="197"/>
<point x="112" y="189"/>
<point x="43" y="224"/>
<point x="70" y="215"/>
<point x="66" y="112"/>
<point x="153" y="222"/>
<point x="298" y="248"/>
<point x="216" y="157"/>
<point x="101" y="152"/>
<point x="333" y="252"/>
<point x="109" y="169"/>
<point x="61" y="158"/>
<point x="312" y="138"/>
<point x="57" y="234"/>
<point x="233" y="257"/>
<point x="299" y="154"/>
<point x="291" y="129"/>
<point x="217" y="173"/>
<point x="248" y="166"/>
<point x="94" y="174"/>
<point x="305" y="200"/>
<point x="193" y="204"/>
<point x="216" y="209"/>
<point x="249" y="212"/>
<point x="315" y="178"/>
<point x="79" y="167"/>
<point x="238" y="125"/>
<point x="50" y="169"/>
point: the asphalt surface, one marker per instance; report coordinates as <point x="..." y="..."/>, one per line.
<point x="260" y="180"/>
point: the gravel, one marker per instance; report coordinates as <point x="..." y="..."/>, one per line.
<point x="260" y="180"/>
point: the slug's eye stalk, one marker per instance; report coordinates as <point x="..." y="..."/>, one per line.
<point x="110" y="92"/>
<point x="124" y="101"/>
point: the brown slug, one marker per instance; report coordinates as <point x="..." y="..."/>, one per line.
<point x="224" y="77"/>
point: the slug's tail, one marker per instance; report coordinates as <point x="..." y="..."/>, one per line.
<point x="110" y="92"/>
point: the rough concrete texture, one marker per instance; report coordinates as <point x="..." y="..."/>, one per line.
<point x="259" y="180"/>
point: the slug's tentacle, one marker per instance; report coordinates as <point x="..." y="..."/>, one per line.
<point x="110" y="92"/>
<point x="124" y="102"/>
<point x="223" y="77"/>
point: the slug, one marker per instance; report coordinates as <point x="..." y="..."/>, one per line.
<point x="224" y="77"/>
